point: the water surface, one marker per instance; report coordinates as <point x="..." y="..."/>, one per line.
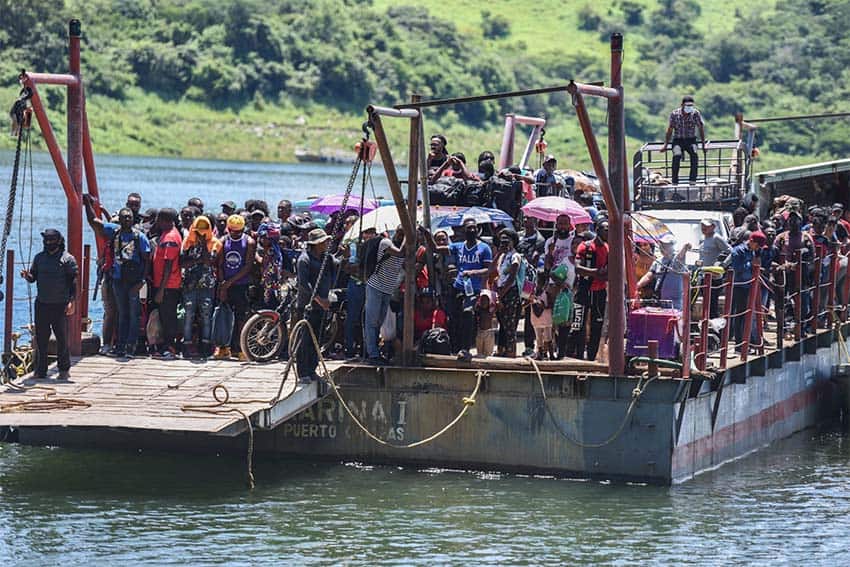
<point x="788" y="504"/>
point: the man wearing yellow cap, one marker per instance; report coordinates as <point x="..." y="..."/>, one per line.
<point x="235" y="262"/>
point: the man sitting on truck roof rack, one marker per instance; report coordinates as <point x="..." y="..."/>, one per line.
<point x="684" y="123"/>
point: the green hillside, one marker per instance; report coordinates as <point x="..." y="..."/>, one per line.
<point x="253" y="80"/>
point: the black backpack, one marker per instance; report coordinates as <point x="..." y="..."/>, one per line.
<point x="435" y="341"/>
<point x="478" y="194"/>
<point x="447" y="191"/>
<point x="368" y="257"/>
<point x="506" y="195"/>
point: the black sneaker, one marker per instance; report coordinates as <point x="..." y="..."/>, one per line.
<point x="117" y="352"/>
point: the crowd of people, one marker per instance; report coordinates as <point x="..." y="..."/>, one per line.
<point x="198" y="274"/>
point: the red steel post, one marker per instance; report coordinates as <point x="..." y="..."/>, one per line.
<point x="686" y="327"/>
<point x="752" y="311"/>
<point x="798" y="304"/>
<point x="814" y="315"/>
<point x="86" y="275"/>
<point x="727" y="316"/>
<point x="831" y="300"/>
<point x="10" y="299"/>
<point x="75" y="170"/>
<point x="702" y="361"/>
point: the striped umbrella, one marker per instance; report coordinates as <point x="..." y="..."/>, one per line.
<point x="648" y="229"/>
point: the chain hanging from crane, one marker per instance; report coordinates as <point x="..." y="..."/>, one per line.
<point x="20" y="114"/>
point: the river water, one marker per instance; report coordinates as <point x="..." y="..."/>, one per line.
<point x="787" y="504"/>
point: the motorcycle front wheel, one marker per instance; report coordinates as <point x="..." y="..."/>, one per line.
<point x="261" y="338"/>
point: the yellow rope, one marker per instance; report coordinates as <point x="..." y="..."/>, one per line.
<point x="636" y="394"/>
<point x="468" y="401"/>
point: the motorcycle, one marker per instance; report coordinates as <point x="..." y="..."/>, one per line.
<point x="265" y="333"/>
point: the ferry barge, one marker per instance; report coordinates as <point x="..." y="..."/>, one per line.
<point x="637" y="418"/>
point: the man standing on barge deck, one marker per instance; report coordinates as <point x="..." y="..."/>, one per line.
<point x="54" y="271"/>
<point x="685" y="121"/>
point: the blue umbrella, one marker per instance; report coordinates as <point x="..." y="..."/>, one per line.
<point x="482" y="215"/>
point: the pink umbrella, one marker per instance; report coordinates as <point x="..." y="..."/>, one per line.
<point x="548" y="209"/>
<point x="332" y="203"/>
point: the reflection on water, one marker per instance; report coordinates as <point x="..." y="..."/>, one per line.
<point x="787" y="504"/>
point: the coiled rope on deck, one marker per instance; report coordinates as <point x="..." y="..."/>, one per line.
<point x="636" y="395"/>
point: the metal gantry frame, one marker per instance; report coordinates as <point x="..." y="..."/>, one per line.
<point x="80" y="159"/>
<point x="613" y="183"/>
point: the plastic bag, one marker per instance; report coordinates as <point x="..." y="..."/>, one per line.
<point x="388" y="328"/>
<point x="562" y="311"/>
<point x="222" y="325"/>
<point x="153" y="330"/>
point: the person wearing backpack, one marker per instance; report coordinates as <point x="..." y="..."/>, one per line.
<point x="127" y="260"/>
<point x="383" y="268"/>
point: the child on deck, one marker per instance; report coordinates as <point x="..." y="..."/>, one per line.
<point x="485" y="313"/>
<point x="541" y="320"/>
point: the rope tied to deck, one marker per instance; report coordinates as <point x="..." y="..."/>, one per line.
<point x="637" y="393"/>
<point x="468" y="401"/>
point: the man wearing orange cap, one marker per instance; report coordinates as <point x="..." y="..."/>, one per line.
<point x="235" y="261"/>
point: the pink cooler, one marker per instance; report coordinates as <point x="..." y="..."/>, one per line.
<point x="653" y="324"/>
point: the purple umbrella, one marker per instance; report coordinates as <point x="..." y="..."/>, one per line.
<point x="333" y="203"/>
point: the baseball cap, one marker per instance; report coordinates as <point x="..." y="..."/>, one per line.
<point x="706" y="222"/>
<point x="235" y="222"/>
<point x="759" y="238"/>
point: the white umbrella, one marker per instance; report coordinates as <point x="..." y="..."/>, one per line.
<point x="386" y="219"/>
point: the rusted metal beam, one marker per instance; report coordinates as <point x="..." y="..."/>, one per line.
<point x="75" y="170"/>
<point x="392" y="174"/>
<point x="392" y="112"/>
<point x="481" y="98"/>
<point x="798" y="117"/>
<point x="408" y="350"/>
<point x="591" y="89"/>
<point x="595" y="155"/>
<point x="54" y="79"/>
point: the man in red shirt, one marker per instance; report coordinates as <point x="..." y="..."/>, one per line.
<point x="592" y="292"/>
<point x="167" y="280"/>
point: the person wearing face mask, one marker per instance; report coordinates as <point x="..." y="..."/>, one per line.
<point x="54" y="271"/>
<point x="592" y="267"/>
<point x="127" y="258"/>
<point x="472" y="259"/>
<point x="684" y="124"/>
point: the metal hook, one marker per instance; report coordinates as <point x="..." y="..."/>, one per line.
<point x="366" y="127"/>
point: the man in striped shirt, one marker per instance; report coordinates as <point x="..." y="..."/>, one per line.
<point x="684" y="123"/>
<point x="380" y="286"/>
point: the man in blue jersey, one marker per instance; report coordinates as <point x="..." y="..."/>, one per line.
<point x="472" y="259"/>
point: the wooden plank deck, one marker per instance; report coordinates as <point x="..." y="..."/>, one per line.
<point x="152" y="394"/>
